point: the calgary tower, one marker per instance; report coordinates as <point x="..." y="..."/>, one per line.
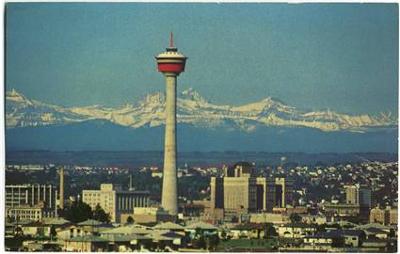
<point x="171" y="63"/>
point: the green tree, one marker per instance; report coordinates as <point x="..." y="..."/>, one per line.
<point x="100" y="215"/>
<point x="77" y="212"/>
<point x="295" y="218"/>
<point x="269" y="230"/>
<point x="18" y="232"/>
<point x="130" y="220"/>
<point x="321" y="228"/>
<point x="223" y="235"/>
<point x="212" y="242"/>
<point x="53" y="232"/>
<point x="198" y="233"/>
<point x="199" y="243"/>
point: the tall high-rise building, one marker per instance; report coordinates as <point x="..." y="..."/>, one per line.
<point x="283" y="192"/>
<point x="361" y="196"/>
<point x="239" y="191"/>
<point x="352" y="195"/>
<point x="358" y="195"/>
<point x="171" y="63"/>
<point x="236" y="191"/>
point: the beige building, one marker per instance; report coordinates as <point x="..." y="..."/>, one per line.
<point x="298" y="230"/>
<point x="146" y="215"/>
<point x="236" y="192"/>
<point x="274" y="218"/>
<point x="239" y="191"/>
<point x="283" y="192"/>
<point x="393" y="216"/>
<point x="114" y="200"/>
<point x="342" y="210"/>
<point x="87" y="243"/>
<point x="358" y="195"/>
<point x="378" y="215"/>
<point x="352" y="194"/>
<point x="383" y="216"/>
<point x="239" y="194"/>
<point x="22" y="213"/>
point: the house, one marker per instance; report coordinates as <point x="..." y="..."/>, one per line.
<point x="119" y="243"/>
<point x="318" y="219"/>
<point x="163" y="239"/>
<point x="248" y="230"/>
<point x="127" y="230"/>
<point x="324" y="240"/>
<point x="36" y="229"/>
<point x="295" y="230"/>
<point x="42" y="246"/>
<point x="140" y="242"/>
<point x="170" y="226"/>
<point x="86" y="243"/>
<point x="65" y="232"/>
<point x="376" y="232"/>
<point x="274" y="218"/>
<point x="353" y="238"/>
<point x="206" y="228"/>
<point x="373" y="244"/>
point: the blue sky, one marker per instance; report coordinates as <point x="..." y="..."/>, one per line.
<point x="313" y="56"/>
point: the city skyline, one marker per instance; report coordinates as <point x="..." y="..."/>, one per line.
<point x="315" y="56"/>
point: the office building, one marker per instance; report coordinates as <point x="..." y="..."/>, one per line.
<point x="31" y="195"/>
<point x="239" y="191"/>
<point x="24" y="213"/>
<point x="114" y="200"/>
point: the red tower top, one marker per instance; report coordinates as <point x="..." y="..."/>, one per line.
<point x="171" y="61"/>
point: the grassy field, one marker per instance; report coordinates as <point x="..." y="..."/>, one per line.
<point x="246" y="245"/>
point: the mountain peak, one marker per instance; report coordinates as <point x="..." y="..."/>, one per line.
<point x="154" y="98"/>
<point x="15" y="96"/>
<point x="13" y="93"/>
<point x="192" y="94"/>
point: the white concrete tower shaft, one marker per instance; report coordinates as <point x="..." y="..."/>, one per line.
<point x="169" y="197"/>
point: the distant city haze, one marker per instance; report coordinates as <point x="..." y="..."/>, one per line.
<point x="313" y="56"/>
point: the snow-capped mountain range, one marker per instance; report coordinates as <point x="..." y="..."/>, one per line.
<point x="194" y="110"/>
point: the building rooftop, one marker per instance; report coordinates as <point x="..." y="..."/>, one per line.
<point x="55" y="221"/>
<point x="87" y="238"/>
<point x="128" y="230"/>
<point x="201" y="225"/>
<point x="169" y="225"/>
<point x="90" y="222"/>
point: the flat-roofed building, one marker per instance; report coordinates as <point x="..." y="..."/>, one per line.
<point x="24" y="213"/>
<point x="358" y="195"/>
<point x="342" y="210"/>
<point x="283" y="192"/>
<point x="114" y="200"/>
<point x="393" y="216"/>
<point x="32" y="195"/>
<point x="239" y="192"/>
<point x="146" y="215"/>
<point x="380" y="215"/>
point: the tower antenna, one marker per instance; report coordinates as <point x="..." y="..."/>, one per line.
<point x="171" y="40"/>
